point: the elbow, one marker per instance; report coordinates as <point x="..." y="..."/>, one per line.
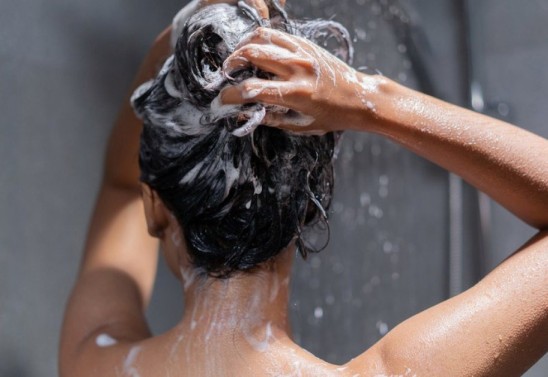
<point x="540" y="223"/>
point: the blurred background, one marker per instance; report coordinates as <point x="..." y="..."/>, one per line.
<point x="405" y="234"/>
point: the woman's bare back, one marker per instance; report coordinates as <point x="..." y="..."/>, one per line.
<point x="497" y="328"/>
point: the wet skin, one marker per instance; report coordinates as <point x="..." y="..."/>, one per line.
<point x="239" y="327"/>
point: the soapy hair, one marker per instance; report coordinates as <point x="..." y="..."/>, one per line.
<point x="240" y="191"/>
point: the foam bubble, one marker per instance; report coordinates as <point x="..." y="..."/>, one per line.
<point x="105" y="340"/>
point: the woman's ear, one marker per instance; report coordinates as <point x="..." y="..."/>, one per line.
<point x="156" y="212"/>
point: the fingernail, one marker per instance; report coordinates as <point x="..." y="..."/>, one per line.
<point x="228" y="75"/>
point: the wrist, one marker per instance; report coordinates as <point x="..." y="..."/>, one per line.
<point x="390" y="105"/>
<point x="375" y="95"/>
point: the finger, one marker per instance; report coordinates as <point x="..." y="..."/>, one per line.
<point x="259" y="6"/>
<point x="273" y="59"/>
<point x="270" y="36"/>
<point x="292" y="121"/>
<point x="258" y="90"/>
<point x="255" y="119"/>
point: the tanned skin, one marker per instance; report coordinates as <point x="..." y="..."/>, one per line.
<point x="239" y="326"/>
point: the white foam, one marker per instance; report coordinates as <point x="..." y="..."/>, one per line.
<point x="302" y="120"/>
<point x="129" y="363"/>
<point x="105" y="340"/>
<point x="170" y="88"/>
<point x="231" y="175"/>
<point x="257" y="185"/>
<point x="177" y="343"/>
<point x="261" y="345"/>
<point x="219" y="110"/>
<point x="274" y="290"/>
<point x="189" y="276"/>
<point x="181" y="18"/>
<point x="192" y="174"/>
<point x="254" y="121"/>
<point x="176" y="238"/>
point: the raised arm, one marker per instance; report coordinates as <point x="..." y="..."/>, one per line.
<point x="119" y="264"/>
<point x="500" y="326"/>
<point x="506" y="162"/>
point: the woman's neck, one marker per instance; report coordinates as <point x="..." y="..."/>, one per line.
<point x="252" y="304"/>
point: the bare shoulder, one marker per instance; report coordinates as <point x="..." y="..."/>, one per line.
<point x="175" y="356"/>
<point x="496" y="328"/>
<point x="102" y="354"/>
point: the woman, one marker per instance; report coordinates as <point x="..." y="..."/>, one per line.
<point x="238" y="326"/>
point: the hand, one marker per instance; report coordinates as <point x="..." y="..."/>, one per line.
<point x="324" y="93"/>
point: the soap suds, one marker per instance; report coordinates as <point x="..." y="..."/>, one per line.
<point x="105" y="340"/>
<point x="129" y="363"/>
<point x="264" y="344"/>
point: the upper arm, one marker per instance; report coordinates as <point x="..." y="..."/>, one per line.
<point x="115" y="280"/>
<point x="119" y="265"/>
<point x="497" y="328"/>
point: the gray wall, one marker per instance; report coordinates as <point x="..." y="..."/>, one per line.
<point x="65" y="65"/>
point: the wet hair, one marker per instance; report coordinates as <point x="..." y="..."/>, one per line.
<point x="240" y="191"/>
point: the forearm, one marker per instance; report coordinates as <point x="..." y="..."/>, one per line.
<point x="504" y="161"/>
<point x="122" y="156"/>
<point x="117" y="237"/>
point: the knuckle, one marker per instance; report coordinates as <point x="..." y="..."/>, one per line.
<point x="248" y="50"/>
<point x="247" y="86"/>
<point x="306" y="90"/>
<point x="262" y="32"/>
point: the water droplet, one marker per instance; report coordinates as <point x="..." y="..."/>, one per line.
<point x="338" y="268"/>
<point x="387" y="247"/>
<point x="315" y="262"/>
<point x="503" y="109"/>
<point x="360" y="34"/>
<point x="365" y="199"/>
<point x="318" y="312"/>
<point x="376" y="9"/>
<point x="407" y="64"/>
<point x="375" y="211"/>
<point x="382" y="327"/>
<point x="376" y="150"/>
<point x="383" y="191"/>
<point x="329" y="299"/>
<point x="358" y="145"/>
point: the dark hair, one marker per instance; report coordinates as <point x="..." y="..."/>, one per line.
<point x="239" y="199"/>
